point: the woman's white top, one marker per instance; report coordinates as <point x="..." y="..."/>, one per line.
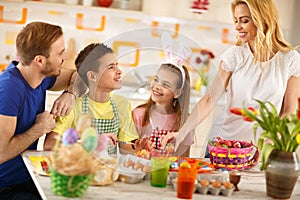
<point x="249" y="82"/>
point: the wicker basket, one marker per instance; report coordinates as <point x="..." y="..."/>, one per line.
<point x="69" y="186"/>
<point x="230" y="158"/>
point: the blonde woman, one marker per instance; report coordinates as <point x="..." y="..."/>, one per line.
<point x="262" y="65"/>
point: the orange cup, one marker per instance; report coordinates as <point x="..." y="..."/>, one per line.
<point x="186" y="181"/>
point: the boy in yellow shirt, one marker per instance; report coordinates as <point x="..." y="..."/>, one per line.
<point x="110" y="113"/>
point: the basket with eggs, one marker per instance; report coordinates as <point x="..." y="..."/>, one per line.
<point x="74" y="165"/>
<point x="231" y="154"/>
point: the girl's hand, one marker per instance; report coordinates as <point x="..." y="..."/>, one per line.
<point x="169" y="148"/>
<point x="153" y="146"/>
<point x="113" y="138"/>
<point x="143" y="143"/>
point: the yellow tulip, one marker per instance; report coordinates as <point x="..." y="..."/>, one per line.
<point x="298" y="138"/>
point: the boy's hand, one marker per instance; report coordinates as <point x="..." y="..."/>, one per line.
<point x="113" y="138"/>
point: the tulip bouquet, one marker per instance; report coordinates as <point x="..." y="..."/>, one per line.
<point x="280" y="133"/>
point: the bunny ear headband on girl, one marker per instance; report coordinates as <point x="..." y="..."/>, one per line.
<point x="176" y="59"/>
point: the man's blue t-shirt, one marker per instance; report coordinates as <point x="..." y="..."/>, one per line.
<point x="20" y="100"/>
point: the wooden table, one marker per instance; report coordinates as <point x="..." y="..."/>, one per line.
<point x="252" y="186"/>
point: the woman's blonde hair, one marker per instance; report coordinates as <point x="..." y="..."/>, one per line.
<point x="269" y="38"/>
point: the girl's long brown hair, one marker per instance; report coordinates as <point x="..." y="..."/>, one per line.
<point x="181" y="106"/>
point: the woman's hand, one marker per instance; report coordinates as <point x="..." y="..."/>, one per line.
<point x="167" y="139"/>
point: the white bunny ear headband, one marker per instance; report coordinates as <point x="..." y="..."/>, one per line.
<point x="176" y="59"/>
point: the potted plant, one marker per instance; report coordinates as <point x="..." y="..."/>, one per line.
<point x="277" y="142"/>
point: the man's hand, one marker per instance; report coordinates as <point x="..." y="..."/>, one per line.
<point x="63" y="104"/>
<point x="44" y="123"/>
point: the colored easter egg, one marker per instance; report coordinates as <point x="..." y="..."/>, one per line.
<point x="185" y="165"/>
<point x="70" y="136"/>
<point x="83" y="123"/>
<point x="174" y="165"/>
<point x="90" y="143"/>
<point x="180" y="161"/>
<point x="88" y="132"/>
<point x="103" y="142"/>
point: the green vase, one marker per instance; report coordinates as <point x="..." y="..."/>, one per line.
<point x="281" y="174"/>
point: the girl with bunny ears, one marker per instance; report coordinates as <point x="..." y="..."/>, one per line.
<point x="167" y="108"/>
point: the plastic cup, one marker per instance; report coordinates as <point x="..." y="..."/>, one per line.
<point x="186" y="181"/>
<point x="159" y="171"/>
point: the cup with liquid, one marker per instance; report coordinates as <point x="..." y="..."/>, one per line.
<point x="159" y="171"/>
<point x="186" y="180"/>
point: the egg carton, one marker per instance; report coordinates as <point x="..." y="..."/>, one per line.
<point x="214" y="176"/>
<point x="214" y="190"/>
<point x="132" y="169"/>
<point x="220" y="177"/>
<point x="208" y="189"/>
<point x="215" y="184"/>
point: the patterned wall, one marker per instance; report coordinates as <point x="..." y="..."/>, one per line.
<point x="135" y="36"/>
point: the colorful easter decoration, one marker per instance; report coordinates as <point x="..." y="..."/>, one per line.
<point x="70" y="136"/>
<point x="83" y="123"/>
<point x="90" y="143"/>
<point x="103" y="142"/>
<point x="88" y="132"/>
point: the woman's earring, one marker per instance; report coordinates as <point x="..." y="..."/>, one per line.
<point x="174" y="102"/>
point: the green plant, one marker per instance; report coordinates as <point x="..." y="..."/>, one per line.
<point x="280" y="133"/>
<point x="204" y="78"/>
